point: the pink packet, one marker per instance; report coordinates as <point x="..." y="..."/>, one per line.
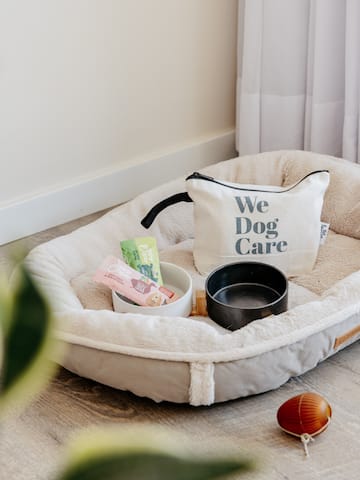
<point x="130" y="283"/>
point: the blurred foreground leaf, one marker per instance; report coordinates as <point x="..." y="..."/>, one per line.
<point x="142" y="455"/>
<point x="26" y="325"/>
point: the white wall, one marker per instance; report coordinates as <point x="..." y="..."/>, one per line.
<point x="88" y="86"/>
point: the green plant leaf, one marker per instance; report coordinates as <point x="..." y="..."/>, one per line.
<point x="5" y="307"/>
<point x="27" y="342"/>
<point x="140" y="455"/>
<point x="150" y="466"/>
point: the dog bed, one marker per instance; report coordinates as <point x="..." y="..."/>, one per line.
<point x="193" y="360"/>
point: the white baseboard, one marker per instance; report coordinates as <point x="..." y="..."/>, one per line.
<point x="104" y="190"/>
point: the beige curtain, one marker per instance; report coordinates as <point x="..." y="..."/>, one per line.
<point x="298" y="76"/>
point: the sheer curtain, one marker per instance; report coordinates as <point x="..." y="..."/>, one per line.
<point x="298" y="76"/>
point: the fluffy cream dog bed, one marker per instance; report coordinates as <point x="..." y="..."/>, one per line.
<point x="192" y="359"/>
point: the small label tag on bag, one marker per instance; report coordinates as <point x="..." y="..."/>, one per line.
<point x="324" y="230"/>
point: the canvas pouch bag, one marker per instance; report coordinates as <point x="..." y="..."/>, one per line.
<point x="279" y="226"/>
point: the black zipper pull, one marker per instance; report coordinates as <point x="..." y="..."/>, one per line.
<point x="199" y="175"/>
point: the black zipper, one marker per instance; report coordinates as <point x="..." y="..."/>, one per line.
<point x="201" y="176"/>
<point x="185" y="197"/>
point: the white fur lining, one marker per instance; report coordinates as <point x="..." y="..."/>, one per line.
<point x="202" y="386"/>
<point x="189" y="339"/>
<point x="193" y="341"/>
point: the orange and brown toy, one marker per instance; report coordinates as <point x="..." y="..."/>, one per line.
<point x="304" y="416"/>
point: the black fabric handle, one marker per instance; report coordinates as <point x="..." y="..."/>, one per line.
<point x="152" y="214"/>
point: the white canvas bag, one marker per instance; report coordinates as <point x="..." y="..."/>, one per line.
<point x="233" y="222"/>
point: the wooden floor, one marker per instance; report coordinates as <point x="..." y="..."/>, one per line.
<point x="32" y="443"/>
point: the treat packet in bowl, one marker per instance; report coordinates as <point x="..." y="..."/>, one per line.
<point x="141" y="253"/>
<point x="132" y="284"/>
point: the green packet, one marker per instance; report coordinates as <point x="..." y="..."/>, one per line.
<point x="142" y="255"/>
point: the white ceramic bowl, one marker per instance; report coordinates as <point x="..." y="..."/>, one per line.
<point x="176" y="279"/>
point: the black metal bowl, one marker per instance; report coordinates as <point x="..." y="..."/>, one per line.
<point x="241" y="292"/>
